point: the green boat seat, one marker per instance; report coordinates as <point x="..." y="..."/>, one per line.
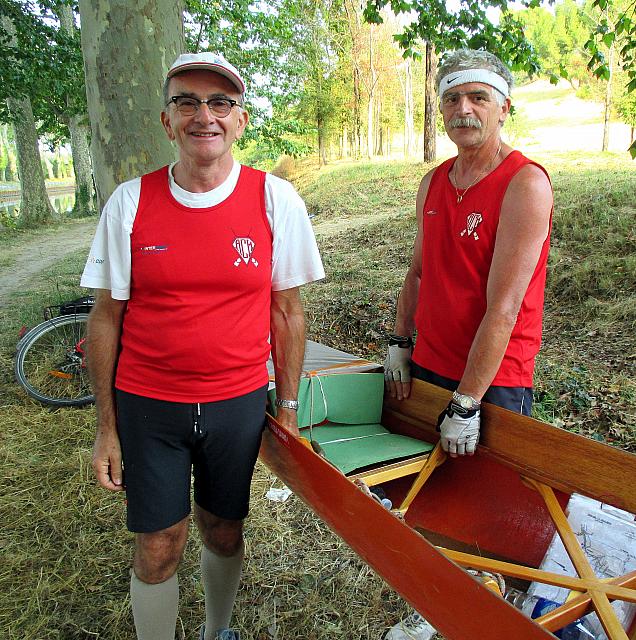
<point x="342" y="413"/>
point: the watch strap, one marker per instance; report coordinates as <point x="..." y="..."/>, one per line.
<point x="287" y="404"/>
<point x="465" y="401"/>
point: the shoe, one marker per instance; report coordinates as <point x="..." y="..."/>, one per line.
<point x="413" y="627"/>
<point x="222" y="634"/>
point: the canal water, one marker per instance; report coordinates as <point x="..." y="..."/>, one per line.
<point x="62" y="203"/>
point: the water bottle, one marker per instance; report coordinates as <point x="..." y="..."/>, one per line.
<point x="536" y="606"/>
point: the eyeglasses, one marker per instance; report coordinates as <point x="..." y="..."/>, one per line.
<point x="188" y="106"/>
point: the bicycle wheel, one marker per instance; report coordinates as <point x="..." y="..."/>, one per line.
<point x="50" y="362"/>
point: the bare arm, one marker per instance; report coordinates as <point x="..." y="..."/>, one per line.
<point x="288" y="349"/>
<point x="523" y="228"/>
<point x="407" y="301"/>
<point x="104" y="332"/>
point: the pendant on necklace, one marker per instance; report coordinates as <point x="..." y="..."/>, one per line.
<point x="459" y="198"/>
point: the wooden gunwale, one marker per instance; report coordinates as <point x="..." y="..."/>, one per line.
<point x="561" y="459"/>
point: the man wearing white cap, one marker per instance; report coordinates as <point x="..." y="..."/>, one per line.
<point x="197" y="268"/>
<point x="474" y="289"/>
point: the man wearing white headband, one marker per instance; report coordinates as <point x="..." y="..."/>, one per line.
<point x="474" y="289"/>
<point x="197" y="268"/>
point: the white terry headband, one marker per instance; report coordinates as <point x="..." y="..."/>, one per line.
<point x="473" y="75"/>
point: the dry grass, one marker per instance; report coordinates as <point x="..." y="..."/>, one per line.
<point x="66" y="552"/>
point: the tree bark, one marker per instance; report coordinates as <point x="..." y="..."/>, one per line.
<point x="127" y="48"/>
<point x="353" y="19"/>
<point x="357" y="117"/>
<point x="78" y="130"/>
<point x="430" y="106"/>
<point x="35" y="206"/>
<point x="322" y="150"/>
<point x="372" y="82"/>
<point x="608" y="101"/>
<point x="409" y="127"/>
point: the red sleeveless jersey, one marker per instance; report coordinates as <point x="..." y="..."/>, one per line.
<point x="196" y="328"/>
<point x="458" y="246"/>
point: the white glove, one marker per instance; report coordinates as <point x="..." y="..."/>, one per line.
<point x="397" y="366"/>
<point x="460" y="429"/>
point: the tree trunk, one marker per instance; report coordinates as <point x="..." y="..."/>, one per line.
<point x="379" y="133"/>
<point x="608" y="101"/>
<point x="84" y="191"/>
<point x="322" y="151"/>
<point x="47" y="168"/>
<point x="409" y="126"/>
<point x="372" y="83"/>
<point x="430" y="105"/>
<point x="127" y="48"/>
<point x="357" y="117"/>
<point x="35" y="206"/>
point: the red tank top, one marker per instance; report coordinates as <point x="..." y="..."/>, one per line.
<point x="196" y="328"/>
<point x="458" y="246"/>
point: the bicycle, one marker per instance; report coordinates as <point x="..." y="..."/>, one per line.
<point x="50" y="362"/>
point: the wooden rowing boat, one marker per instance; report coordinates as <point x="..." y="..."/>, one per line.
<point x="496" y="511"/>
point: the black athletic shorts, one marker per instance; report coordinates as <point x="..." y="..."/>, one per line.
<point x="517" y="399"/>
<point x="163" y="443"/>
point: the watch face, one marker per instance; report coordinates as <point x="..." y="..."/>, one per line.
<point x="466" y="402"/>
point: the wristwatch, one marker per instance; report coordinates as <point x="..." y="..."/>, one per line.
<point x="287" y="404"/>
<point x="465" y="401"/>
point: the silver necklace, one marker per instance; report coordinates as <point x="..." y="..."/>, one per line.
<point x="460" y="196"/>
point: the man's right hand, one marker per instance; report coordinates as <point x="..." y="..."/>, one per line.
<point x="397" y="371"/>
<point x="107" y="460"/>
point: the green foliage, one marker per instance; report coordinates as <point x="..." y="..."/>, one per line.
<point x="40" y="61"/>
<point x="263" y="41"/>
<point x="626" y="107"/>
<point x="465" y="24"/>
<point x="613" y="25"/>
<point x="558" y="40"/>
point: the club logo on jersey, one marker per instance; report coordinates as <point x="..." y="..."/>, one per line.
<point x="244" y="247"/>
<point x="430" y="212"/>
<point x="473" y="220"/>
<point x="154" y="248"/>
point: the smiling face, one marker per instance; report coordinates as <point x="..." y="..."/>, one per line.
<point x="203" y="138"/>
<point x="472" y="114"/>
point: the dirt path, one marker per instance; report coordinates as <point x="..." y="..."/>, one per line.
<point x="41" y="252"/>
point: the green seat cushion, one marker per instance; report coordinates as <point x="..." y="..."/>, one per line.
<point x="354" y="447"/>
<point x="348" y="398"/>
<point x="347" y="409"/>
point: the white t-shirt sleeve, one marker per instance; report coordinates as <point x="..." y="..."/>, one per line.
<point x="295" y="256"/>
<point x="108" y="264"/>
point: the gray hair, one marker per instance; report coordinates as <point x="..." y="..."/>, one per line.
<point x="462" y="59"/>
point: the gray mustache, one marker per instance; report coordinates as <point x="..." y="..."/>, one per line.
<point x="464" y="122"/>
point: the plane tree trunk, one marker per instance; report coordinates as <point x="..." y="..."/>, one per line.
<point x="78" y="130"/>
<point x="430" y="106"/>
<point x="124" y="97"/>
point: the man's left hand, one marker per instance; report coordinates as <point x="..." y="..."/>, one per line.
<point x="459" y="429"/>
<point x="289" y="419"/>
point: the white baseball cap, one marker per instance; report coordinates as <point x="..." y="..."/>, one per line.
<point x="210" y="61"/>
